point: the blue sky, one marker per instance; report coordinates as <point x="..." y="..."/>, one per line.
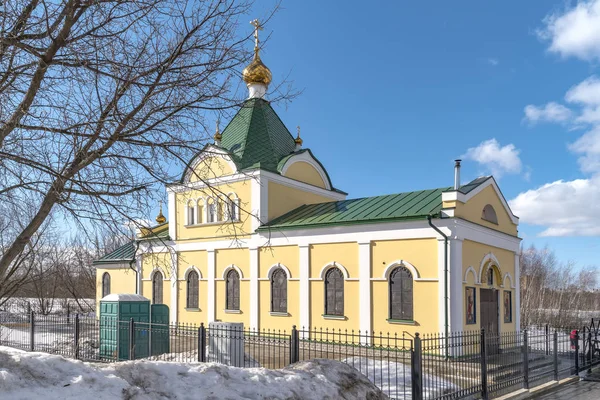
<point x="394" y="91"/>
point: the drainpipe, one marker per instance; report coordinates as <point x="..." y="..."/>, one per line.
<point x="445" y="281"/>
<point x="137" y="246"/>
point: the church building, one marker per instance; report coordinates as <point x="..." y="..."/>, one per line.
<point x="256" y="232"/>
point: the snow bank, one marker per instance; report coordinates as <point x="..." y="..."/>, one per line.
<point x="26" y="375"/>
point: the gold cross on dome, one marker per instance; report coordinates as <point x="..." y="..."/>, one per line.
<point x="257" y="27"/>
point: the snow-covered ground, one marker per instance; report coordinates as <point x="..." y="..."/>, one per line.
<point x="30" y="376"/>
<point x="22" y="305"/>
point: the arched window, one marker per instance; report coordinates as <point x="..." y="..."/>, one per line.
<point x="200" y="213"/>
<point x="211" y="210"/>
<point x="489" y="214"/>
<point x="232" y="297"/>
<point x="490" y="276"/>
<point x="334" y="292"/>
<point x="105" y="284"/>
<point x="279" y="291"/>
<point x="233" y="213"/>
<point x="157" y="288"/>
<point x="401" y="294"/>
<point x="192" y="290"/>
<point x="191" y="213"/>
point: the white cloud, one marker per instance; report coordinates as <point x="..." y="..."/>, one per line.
<point x="588" y="147"/>
<point x="495" y="158"/>
<point x="586" y="92"/>
<point x="551" y="112"/>
<point x="574" y="31"/>
<point x="493" y="61"/>
<point x="564" y="208"/>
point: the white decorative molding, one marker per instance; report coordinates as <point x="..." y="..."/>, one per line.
<point x="307" y="158"/>
<point x="401" y="263"/>
<point x="364" y="273"/>
<point x="442" y="282"/>
<point x="154" y="270"/>
<point x="517" y="309"/>
<point x="253" y="288"/>
<point x="189" y="269"/>
<point x="304" y="267"/>
<point x="174" y="288"/>
<point x="475" y="277"/>
<point x="510" y="279"/>
<point x="230" y="267"/>
<point x="279" y="265"/>
<point x="211" y="289"/>
<point x="172" y="214"/>
<point x="455" y="287"/>
<point x="333" y="264"/>
<point x="207" y="152"/>
<point x="138" y="267"/>
<point x="489" y="258"/>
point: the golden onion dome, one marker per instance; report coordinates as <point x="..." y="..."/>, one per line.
<point x="257" y="72"/>
<point x="160" y="218"/>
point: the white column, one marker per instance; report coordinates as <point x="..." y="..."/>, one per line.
<point x="259" y="200"/>
<point x="172" y="215"/>
<point x="174" y="288"/>
<point x="210" y="282"/>
<point x="441" y="283"/>
<point x="455" y="291"/>
<point x="517" y="284"/>
<point x="304" y="263"/>
<point x="254" y="288"/>
<point x="364" y="286"/>
<point x="138" y="267"/>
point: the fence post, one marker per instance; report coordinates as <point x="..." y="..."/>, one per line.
<point x="31" y="331"/>
<point x="202" y="343"/>
<point x="555" y="340"/>
<point x="417" y="368"/>
<point x="577" y="352"/>
<point x="131" y="339"/>
<point x="547" y="340"/>
<point x="483" y="356"/>
<point x="294" y="346"/>
<point x="76" y="338"/>
<point x="526" y="359"/>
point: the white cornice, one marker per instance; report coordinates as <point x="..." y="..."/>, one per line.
<point x="237" y="177"/>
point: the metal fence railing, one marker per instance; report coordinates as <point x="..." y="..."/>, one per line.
<point x="429" y="366"/>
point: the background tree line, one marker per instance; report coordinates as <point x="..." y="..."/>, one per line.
<point x="556" y="293"/>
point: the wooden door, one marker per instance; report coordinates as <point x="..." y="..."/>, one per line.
<point x="489" y="319"/>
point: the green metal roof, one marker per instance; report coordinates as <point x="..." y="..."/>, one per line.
<point x="393" y="207"/>
<point x="126" y="253"/>
<point x="123" y="254"/>
<point x="256" y="137"/>
<point x="464" y="189"/>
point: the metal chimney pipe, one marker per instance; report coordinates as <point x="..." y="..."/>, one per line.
<point x="456" y="174"/>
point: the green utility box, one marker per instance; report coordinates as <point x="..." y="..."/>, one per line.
<point x="116" y="313"/>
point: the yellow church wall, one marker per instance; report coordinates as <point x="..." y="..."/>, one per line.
<point x="219" y="230"/>
<point x="284" y="198"/>
<point x="345" y="254"/>
<point x="472" y="209"/>
<point x="285" y="255"/>
<point x="122" y="281"/>
<point x="304" y="172"/>
<point x="420" y="253"/>
<point x="211" y="167"/>
<point x="240" y="257"/>
<point x="186" y="260"/>
<point x="473" y="255"/>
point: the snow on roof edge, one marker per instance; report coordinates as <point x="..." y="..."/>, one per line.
<point x="124" y="297"/>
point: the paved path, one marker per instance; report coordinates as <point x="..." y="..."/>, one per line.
<point x="579" y="390"/>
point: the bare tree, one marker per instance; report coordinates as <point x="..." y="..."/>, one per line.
<point x="100" y="102"/>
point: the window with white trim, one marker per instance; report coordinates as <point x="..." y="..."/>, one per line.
<point x="191" y="212"/>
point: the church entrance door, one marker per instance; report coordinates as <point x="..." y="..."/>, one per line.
<point x="489" y="319"/>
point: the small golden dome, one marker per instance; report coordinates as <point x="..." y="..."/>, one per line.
<point x="257" y="72"/>
<point x="160" y="218"/>
<point x="298" y="139"/>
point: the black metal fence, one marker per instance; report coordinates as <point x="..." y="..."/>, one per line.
<point x="472" y="365"/>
